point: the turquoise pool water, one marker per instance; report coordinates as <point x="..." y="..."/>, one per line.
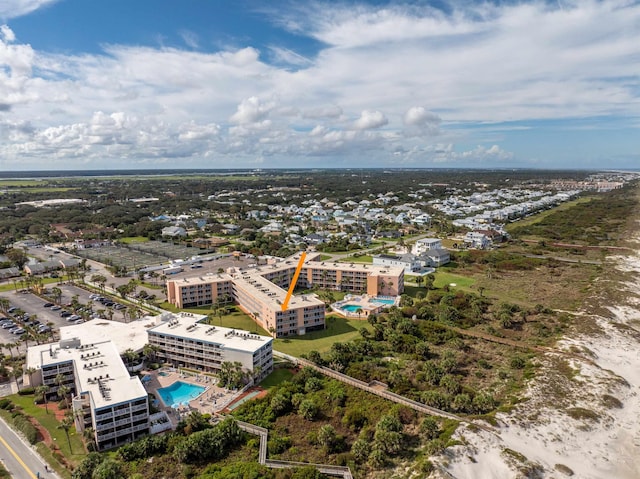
<point x="384" y="301"/>
<point x="162" y="373"/>
<point x="179" y="393"/>
<point x="351" y="307"/>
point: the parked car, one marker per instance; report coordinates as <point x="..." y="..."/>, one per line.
<point x="79" y="321"/>
<point x="44" y="329"/>
<point x="9" y="325"/>
<point x="47" y="305"/>
<point x="6" y="321"/>
<point x="56" y="308"/>
<point x="65" y="314"/>
<point x="73" y="317"/>
<point x="18" y="331"/>
<point x="12" y="309"/>
<point x="119" y="306"/>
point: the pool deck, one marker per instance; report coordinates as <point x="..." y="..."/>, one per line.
<point x="213" y="400"/>
<point x="368" y="304"/>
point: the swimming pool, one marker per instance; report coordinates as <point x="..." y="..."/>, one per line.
<point x="179" y="393"/>
<point x="352" y="308"/>
<point x="384" y="301"/>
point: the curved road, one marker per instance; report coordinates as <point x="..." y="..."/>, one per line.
<point x="19" y="458"/>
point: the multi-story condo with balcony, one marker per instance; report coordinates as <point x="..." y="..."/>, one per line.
<point x="104" y="396"/>
<point x="184" y="341"/>
<point x="262" y="290"/>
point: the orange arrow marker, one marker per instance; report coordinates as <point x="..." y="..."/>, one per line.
<point x="295" y="280"/>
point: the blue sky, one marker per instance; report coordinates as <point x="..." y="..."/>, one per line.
<point x="254" y="84"/>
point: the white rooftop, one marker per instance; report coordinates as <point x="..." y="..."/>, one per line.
<point x="132" y="335"/>
<point x="96" y="365"/>
<point x="272" y="295"/>
<point x="185" y="325"/>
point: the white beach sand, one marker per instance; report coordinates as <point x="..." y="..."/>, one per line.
<point x="538" y="439"/>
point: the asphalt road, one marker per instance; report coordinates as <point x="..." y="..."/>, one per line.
<point x="19" y="458"/>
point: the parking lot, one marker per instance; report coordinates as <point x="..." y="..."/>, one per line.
<point x="34" y="306"/>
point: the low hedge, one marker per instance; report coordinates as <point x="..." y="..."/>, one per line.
<point x="23" y="425"/>
<point x="27" y="391"/>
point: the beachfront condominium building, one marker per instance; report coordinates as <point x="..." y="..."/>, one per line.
<point x="199" y="290"/>
<point x="423" y="245"/>
<point x="261" y="291"/>
<point x="184" y="341"/>
<point x="104" y="396"/>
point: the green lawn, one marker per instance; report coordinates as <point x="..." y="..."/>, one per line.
<point x="19" y="183"/>
<point x="443" y="279"/>
<point x="134" y="239"/>
<point x="236" y="319"/>
<point x="358" y="259"/>
<point x="338" y="330"/>
<point x="275" y="378"/>
<point x="49" y="422"/>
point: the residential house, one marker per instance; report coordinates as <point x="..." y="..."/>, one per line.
<point x="174" y="231"/>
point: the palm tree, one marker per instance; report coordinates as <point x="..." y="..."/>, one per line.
<point x="16" y="373"/>
<point x="89" y="437"/>
<point x="130" y="357"/>
<point x="5" y="304"/>
<point x="10" y="346"/>
<point x="66" y="423"/>
<point x="57" y="294"/>
<point x="44" y="389"/>
<point x="149" y="351"/>
<point x="63" y="392"/>
<point x="359" y="312"/>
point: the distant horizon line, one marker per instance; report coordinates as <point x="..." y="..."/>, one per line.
<point x="93" y="172"/>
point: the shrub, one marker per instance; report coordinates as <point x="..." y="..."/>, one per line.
<point x="27" y="391"/>
<point x="308" y="409"/>
<point x="84" y="470"/>
<point x="517" y="363"/>
<point x="6" y="404"/>
<point x="278" y="444"/>
<point x="25" y="427"/>
<point x="354" y="418"/>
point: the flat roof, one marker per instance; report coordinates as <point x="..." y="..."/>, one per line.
<point x="132" y="335"/>
<point x="186" y="325"/>
<point x="97" y="365"/>
<point x="207" y="278"/>
<point x="273" y="295"/>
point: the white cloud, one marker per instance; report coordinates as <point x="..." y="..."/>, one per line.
<point x="17" y="8"/>
<point x="288" y="57"/>
<point x="480" y="65"/>
<point x="250" y="111"/>
<point x="190" y="38"/>
<point x="420" y="122"/>
<point x="370" y="119"/>
<point x="419" y="116"/>
<point x="7" y="34"/>
<point x="330" y="111"/>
